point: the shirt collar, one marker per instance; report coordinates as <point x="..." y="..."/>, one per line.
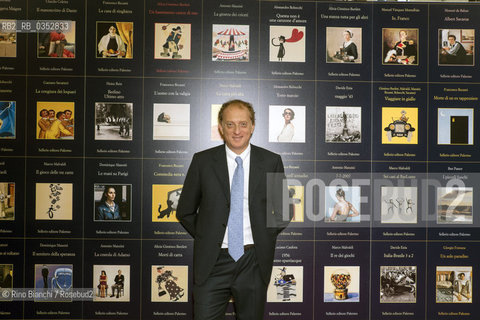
<point x="232" y="155"/>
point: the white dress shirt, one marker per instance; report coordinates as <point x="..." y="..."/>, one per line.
<point x="245" y="155"/>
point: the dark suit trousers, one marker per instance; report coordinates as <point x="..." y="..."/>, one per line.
<point x="228" y="278"/>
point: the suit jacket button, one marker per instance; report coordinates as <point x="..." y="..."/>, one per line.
<point x="224" y="225"/>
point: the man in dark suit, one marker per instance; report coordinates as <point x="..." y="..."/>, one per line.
<point x="208" y="205"/>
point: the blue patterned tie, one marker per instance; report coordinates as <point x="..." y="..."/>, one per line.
<point x="235" y="218"/>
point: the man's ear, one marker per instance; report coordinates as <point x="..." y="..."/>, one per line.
<point x="220" y="129"/>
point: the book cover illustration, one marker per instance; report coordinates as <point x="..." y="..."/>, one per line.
<point x="55" y="120"/>
<point x="455" y="126"/>
<point x="115" y="40"/>
<point x="7" y="201"/>
<point x="6" y="282"/>
<point x="169" y="283"/>
<point x="341" y="284"/>
<point x="51" y="277"/>
<point x="400" y="46"/>
<point x="400" y="125"/>
<point x="455" y="205"/>
<point x="164" y="202"/>
<point x="286" y="284"/>
<point x="287" y="44"/>
<point x="344" y="45"/>
<point x="7" y="119"/>
<point x="8" y="39"/>
<point x="230" y="42"/>
<point x="172" y="41"/>
<point x="399" y="205"/>
<point x="456" y="47"/>
<point x="171" y="121"/>
<point x="342" y="204"/>
<point x="454" y="284"/>
<point x="54" y="201"/>
<point x="57" y="44"/>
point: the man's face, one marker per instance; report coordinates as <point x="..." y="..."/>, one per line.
<point x="51" y="114"/>
<point x="68" y="114"/>
<point x="236" y="128"/>
<point x="451" y="40"/>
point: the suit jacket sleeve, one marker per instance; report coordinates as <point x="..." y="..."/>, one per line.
<point x="278" y="193"/>
<point x="190" y="198"/>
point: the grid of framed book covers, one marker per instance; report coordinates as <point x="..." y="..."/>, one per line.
<point x="371" y="105"/>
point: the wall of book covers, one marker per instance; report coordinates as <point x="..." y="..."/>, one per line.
<point x="371" y="105"/>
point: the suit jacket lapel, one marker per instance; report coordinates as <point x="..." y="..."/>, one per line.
<point x="221" y="170"/>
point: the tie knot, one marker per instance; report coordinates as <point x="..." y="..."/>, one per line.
<point x="239" y="161"/>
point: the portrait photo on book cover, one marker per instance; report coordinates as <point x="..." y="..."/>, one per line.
<point x="455" y="126"/>
<point x="230" y="42"/>
<point x="171" y="121"/>
<point x="398" y="284"/>
<point x="113" y="121"/>
<point x="344" y="45"/>
<point x="287" y="44"/>
<point x="114" y="40"/>
<point x="286" y="284"/>
<point x="455" y="205"/>
<point x="164" y="202"/>
<point x="400" y="46"/>
<point x="173" y="41"/>
<point x="286" y="123"/>
<point x="55" y="120"/>
<point x="399" y="204"/>
<point x="7" y="201"/>
<point x="8" y="40"/>
<point x="341" y="284"/>
<point x="399" y="125"/>
<point x="342" y="204"/>
<point x="113" y="202"/>
<point x="456" y="47"/>
<point x="57" y="44"/>
<point x="169" y="283"/>
<point x="343" y="124"/>
<point x="111" y="283"/>
<point x="454" y="284"/>
<point x="7" y="119"/>
<point x="53" y="276"/>
<point x="53" y="201"/>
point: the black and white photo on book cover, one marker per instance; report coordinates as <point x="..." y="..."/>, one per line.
<point x="343" y="124"/>
<point x="113" y="121"/>
<point x="398" y="284"/>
